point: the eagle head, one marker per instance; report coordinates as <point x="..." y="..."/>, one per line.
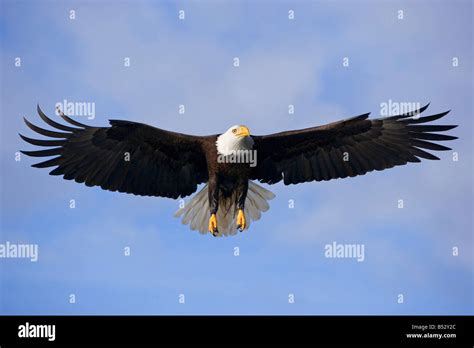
<point x="234" y="139"/>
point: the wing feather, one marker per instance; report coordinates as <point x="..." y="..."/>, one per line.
<point x="126" y="157"/>
<point x="316" y="154"/>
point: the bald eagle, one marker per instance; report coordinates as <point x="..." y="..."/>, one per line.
<point x="143" y="160"/>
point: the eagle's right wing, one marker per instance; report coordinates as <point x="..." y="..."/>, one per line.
<point x="126" y="157"/>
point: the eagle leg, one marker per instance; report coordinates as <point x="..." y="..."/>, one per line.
<point x="241" y="224"/>
<point x="213" y="225"/>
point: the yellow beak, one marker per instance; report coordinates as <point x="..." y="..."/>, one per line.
<point x="242" y="132"/>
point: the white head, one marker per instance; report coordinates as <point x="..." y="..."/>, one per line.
<point x="234" y="139"/>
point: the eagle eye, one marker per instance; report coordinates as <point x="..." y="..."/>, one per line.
<point x="234" y="130"/>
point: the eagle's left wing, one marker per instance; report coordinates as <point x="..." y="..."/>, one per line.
<point x="347" y="148"/>
<point x="127" y="157"/>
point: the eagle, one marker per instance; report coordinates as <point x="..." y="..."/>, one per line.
<point x="143" y="160"/>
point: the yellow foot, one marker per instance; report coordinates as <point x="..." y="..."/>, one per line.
<point x="241" y="224"/>
<point x="213" y="225"/>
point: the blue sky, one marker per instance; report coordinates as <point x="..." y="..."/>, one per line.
<point x="81" y="251"/>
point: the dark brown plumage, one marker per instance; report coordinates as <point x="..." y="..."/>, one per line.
<point x="143" y="160"/>
<point x="161" y="163"/>
<point x="318" y="153"/>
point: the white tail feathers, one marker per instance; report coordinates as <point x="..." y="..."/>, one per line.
<point x="196" y="212"/>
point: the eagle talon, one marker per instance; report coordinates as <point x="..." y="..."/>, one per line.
<point x="213" y="225"/>
<point x="241" y="223"/>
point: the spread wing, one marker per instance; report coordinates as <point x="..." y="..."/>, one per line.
<point x="347" y="148"/>
<point x="126" y="157"/>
